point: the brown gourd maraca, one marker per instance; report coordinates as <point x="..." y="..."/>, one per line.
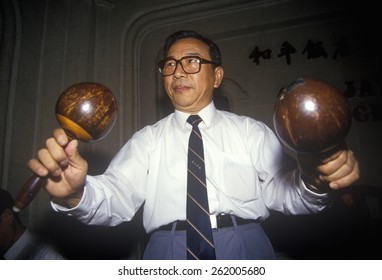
<point x="312" y="118"/>
<point x="86" y="111"/>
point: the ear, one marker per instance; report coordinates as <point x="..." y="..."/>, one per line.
<point x="7" y="216"/>
<point x="219" y="73"/>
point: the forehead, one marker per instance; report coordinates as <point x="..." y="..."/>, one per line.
<point x="189" y="46"/>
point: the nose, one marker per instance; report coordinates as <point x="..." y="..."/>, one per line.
<point x="179" y="71"/>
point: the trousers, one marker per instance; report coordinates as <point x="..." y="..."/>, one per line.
<point x="239" y="242"/>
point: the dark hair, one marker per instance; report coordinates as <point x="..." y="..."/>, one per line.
<point x="183" y="34"/>
<point x="6" y="200"/>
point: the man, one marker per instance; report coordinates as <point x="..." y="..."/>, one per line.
<point x="245" y="168"/>
<point x="18" y="242"/>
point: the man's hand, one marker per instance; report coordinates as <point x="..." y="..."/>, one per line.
<point x="65" y="169"/>
<point x="337" y="171"/>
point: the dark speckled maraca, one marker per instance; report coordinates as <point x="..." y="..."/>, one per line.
<point x="86" y="111"/>
<point x="311" y="116"/>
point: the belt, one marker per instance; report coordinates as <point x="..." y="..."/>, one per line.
<point x="221" y="222"/>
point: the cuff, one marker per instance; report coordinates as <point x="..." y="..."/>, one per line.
<point x="59" y="208"/>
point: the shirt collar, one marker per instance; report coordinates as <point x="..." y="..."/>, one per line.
<point x="207" y="114"/>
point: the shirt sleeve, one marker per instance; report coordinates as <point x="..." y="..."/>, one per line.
<point x="282" y="187"/>
<point x="116" y="195"/>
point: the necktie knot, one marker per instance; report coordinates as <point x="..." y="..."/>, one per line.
<point x="194" y="120"/>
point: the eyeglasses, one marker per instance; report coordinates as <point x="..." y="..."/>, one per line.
<point x="190" y="65"/>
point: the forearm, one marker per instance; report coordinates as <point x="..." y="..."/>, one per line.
<point x="287" y="193"/>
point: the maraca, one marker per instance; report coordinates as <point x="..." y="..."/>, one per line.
<point x="86" y="111"/>
<point x="312" y="118"/>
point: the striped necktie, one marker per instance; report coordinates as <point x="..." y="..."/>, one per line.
<point x="200" y="243"/>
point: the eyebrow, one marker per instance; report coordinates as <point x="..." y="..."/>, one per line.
<point x="188" y="54"/>
<point x="194" y="54"/>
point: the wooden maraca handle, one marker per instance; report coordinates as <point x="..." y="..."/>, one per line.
<point x="28" y="191"/>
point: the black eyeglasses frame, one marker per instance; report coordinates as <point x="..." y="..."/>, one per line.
<point x="179" y="61"/>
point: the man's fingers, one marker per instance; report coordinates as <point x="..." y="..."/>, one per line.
<point x="37" y="168"/>
<point x="60" y="136"/>
<point x="49" y="162"/>
<point x="340" y="171"/>
<point x="334" y="163"/>
<point x="347" y="180"/>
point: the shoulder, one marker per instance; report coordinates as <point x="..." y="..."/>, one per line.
<point x="149" y="135"/>
<point x="241" y="121"/>
<point x="157" y="128"/>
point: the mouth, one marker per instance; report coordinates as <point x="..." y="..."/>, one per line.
<point x="181" y="88"/>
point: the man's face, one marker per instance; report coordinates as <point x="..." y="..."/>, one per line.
<point x="192" y="92"/>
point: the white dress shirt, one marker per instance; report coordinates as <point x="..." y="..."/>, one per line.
<point x="245" y="169"/>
